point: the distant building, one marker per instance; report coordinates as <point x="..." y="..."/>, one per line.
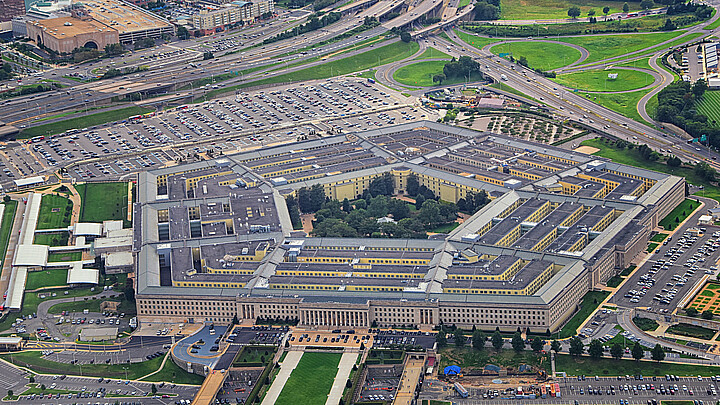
<point x="229" y="14"/>
<point x="98" y="334"/>
<point x="705" y="220"/>
<point x="67" y="33"/>
<point x="10" y="9"/>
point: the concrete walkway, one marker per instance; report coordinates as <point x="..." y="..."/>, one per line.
<point x="286" y="367"/>
<point x="347" y="361"/>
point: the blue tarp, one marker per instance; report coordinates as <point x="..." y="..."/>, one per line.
<point x="492" y="367"/>
<point x="452" y="370"/>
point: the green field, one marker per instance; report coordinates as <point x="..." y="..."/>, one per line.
<point x="432" y="53"/>
<point x="64" y="257"/>
<point x="46" y="278"/>
<point x="311" y="380"/>
<point x="614" y="281"/>
<point x="540" y="55"/>
<point x="544" y="9"/>
<point x="643" y="63"/>
<point x="607" y="46"/>
<point x="504" y="87"/>
<point x="53" y="212"/>
<point x="659" y="237"/>
<point x="611" y="367"/>
<point x="652" y="246"/>
<point x="645" y="324"/>
<point x="52" y="239"/>
<point x="173" y="374"/>
<point x="713" y="25"/>
<point x="103" y="201"/>
<point x="34" y="361"/>
<point x="590" y="301"/>
<point x="7" y="222"/>
<point x="694" y="331"/>
<point x="678" y="214"/>
<point x="421" y="74"/>
<point x="710" y="106"/>
<point x="92" y="305"/>
<point x="597" y="80"/>
<point x="376" y="57"/>
<point x="83" y="121"/>
<point x="623" y="103"/>
<point x="474" y="40"/>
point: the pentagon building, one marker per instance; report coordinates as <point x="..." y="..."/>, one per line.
<point x="213" y="239"/>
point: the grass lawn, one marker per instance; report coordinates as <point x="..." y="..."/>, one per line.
<point x="469" y="358"/>
<point x="173" y="374"/>
<point x="590" y="301"/>
<point x="694" y="331"/>
<point x="611" y="367"/>
<point x="504" y="87"/>
<point x="421" y="74"/>
<point x="64" y="257"/>
<point x="659" y="237"/>
<point x="474" y="40"/>
<point x="713" y="25"/>
<point x="597" y="80"/>
<point x="103" y="201"/>
<point x="92" y="305"/>
<point x="623" y="103"/>
<point x="310" y="381"/>
<point x="463" y="3"/>
<point x="445" y="228"/>
<point x="677" y="215"/>
<point x="710" y="105"/>
<point x="46" y="278"/>
<point x="645" y="324"/>
<point x="643" y="63"/>
<point x="652" y="246"/>
<point x="628" y="270"/>
<point x="52" y="239"/>
<point x="254" y="356"/>
<point x="376" y="57"/>
<point x="54" y="212"/>
<point x="540" y="55"/>
<point x="607" y="46"/>
<point x="544" y="9"/>
<point x="432" y="53"/>
<point x="83" y="121"/>
<point x="34" y="361"/>
<point x="614" y="281"/>
<point x="6" y="227"/>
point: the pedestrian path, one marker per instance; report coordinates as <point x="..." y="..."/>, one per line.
<point x="347" y="361"/>
<point x="286" y="367"/>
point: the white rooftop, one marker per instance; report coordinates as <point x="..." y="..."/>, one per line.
<point x="78" y="275"/>
<point x="88" y="229"/>
<point x="119" y="259"/>
<point x="31" y="255"/>
<point x="28" y="181"/>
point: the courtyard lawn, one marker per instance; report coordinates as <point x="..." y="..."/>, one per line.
<point x="546" y="9"/>
<point x="590" y="301"/>
<point x="474" y="40"/>
<point x="7" y="223"/>
<point x="55" y="212"/>
<point x="710" y="106"/>
<point x="64" y="257"/>
<point x="645" y="324"/>
<point x="694" y="331"/>
<point x="677" y="215"/>
<point x="540" y="55"/>
<point x="610" y="367"/>
<point x="34" y="361"/>
<point x="46" y="278"/>
<point x="103" y="201"/>
<point x="608" y="46"/>
<point x="659" y="237"/>
<point x="421" y="74"/>
<point x="52" y="239"/>
<point x="83" y="121"/>
<point x="598" y="80"/>
<point x="311" y="380"/>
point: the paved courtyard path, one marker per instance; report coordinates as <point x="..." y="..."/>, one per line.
<point x="347" y="361"/>
<point x="286" y="367"/>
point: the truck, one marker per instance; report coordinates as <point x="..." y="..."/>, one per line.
<point x="503" y="77"/>
<point x="461" y="390"/>
<point x="371" y="80"/>
<point x="557" y="390"/>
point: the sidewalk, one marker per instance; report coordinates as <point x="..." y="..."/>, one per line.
<point x="286" y="367"/>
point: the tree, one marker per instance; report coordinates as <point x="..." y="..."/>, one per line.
<point x="419" y="201"/>
<point x="517" y="342"/>
<point x="673" y="161"/>
<point x="637" y="352"/>
<point x="574" y="12"/>
<point x="537" y="344"/>
<point x="405" y="36"/>
<point x="439" y="78"/>
<point x="707" y="314"/>
<point x="616" y="351"/>
<point x="576" y="346"/>
<point x="699" y="87"/>
<point x="555" y="346"/>
<point x="691" y="312"/>
<point x="497" y="340"/>
<point x="595" y="350"/>
<point x="208" y="55"/>
<point x="348" y="383"/>
<point x="113" y="49"/>
<point x="459" y="337"/>
<point x="441" y="339"/>
<point x="6" y="198"/>
<point x="478" y="340"/>
<point x="183" y="32"/>
<point x="32" y="379"/>
<point x="153" y="388"/>
<point x="591" y="13"/>
<point x="42" y="387"/>
<point x="647" y="4"/>
<point x="235" y="320"/>
<point x="626" y="8"/>
<point x="606" y="10"/>
<point x="10" y="393"/>
<point x="412" y="185"/>
<point x="658" y="353"/>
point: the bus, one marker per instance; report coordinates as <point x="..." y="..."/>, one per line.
<point x="36" y="139"/>
<point x="461" y="390"/>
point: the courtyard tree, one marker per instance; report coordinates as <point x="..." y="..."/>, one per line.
<point x="574" y="12"/>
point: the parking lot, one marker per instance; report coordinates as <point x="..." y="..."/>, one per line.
<point x="244" y="121"/>
<point x="238" y="385"/>
<point x="385" y="338"/>
<point x="381" y="383"/>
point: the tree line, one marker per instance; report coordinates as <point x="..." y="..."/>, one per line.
<point x="315" y="22"/>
